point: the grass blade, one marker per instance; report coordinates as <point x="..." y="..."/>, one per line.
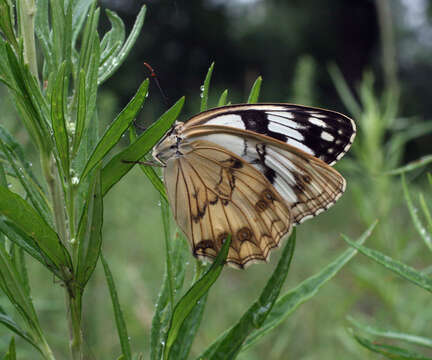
<point x="397" y="267"/>
<point x="81" y="111"/>
<point x="205" y="88"/>
<point x="194" y="294"/>
<point x="117" y="128"/>
<point x="390" y="352"/>
<point x="223" y="98"/>
<point x="161" y="318"/>
<point x="116" y="168"/>
<point x="413" y="339"/>
<point x="255" y="91"/>
<point x="120" y="322"/>
<point x="230" y="345"/>
<point x="421" y="229"/>
<point x="291" y="300"/>
<point x="423" y="161"/>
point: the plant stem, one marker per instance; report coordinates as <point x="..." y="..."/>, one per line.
<point x="74" y="318"/>
<point x="165" y="220"/>
<point x="27" y="12"/>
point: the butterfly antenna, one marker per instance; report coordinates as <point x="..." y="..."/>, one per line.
<point x="155" y="78"/>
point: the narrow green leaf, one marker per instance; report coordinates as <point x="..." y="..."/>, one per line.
<point x="390" y="352"/>
<point x="223" y="98"/>
<point x="397" y="267"/>
<point x="24" y="217"/>
<point x="117" y="128"/>
<point x="90" y="233"/>
<point x="81" y="114"/>
<point x="42" y="29"/>
<point x="91" y="80"/>
<point x="13" y="326"/>
<point x="120" y="322"/>
<point x="33" y="191"/>
<point x="423" y="161"/>
<point x="57" y="30"/>
<point x="194" y="294"/>
<point x="161" y="318"/>
<point x="413" y="339"/>
<point x="291" y="300"/>
<point x="426" y="212"/>
<point x="116" y="168"/>
<point x="206" y="88"/>
<point x="79" y="14"/>
<point x="11" y="355"/>
<point x="6" y="23"/>
<point x="89" y="36"/>
<point x="114" y="62"/>
<point x="58" y="104"/>
<point x="254" y="317"/>
<point x="344" y="91"/>
<point x="255" y="91"/>
<point x="113" y="39"/>
<point x="421" y="229"/>
<point x="149" y="171"/>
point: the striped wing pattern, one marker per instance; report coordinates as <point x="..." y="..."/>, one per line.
<point x="213" y="193"/>
<point x="324" y="134"/>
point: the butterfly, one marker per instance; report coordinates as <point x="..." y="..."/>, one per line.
<point x="252" y="171"/>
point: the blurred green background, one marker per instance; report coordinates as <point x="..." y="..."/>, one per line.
<point x="299" y="48"/>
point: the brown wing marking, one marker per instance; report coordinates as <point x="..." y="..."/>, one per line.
<point x="214" y="193"/>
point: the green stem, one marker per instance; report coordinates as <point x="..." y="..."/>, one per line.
<point x="27" y="13"/>
<point x="166" y="225"/>
<point x="74" y="318"/>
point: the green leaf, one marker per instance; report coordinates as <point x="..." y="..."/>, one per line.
<point x="58" y="27"/>
<point x="423" y="161"/>
<point x="27" y="220"/>
<point x="58" y="105"/>
<point x="120" y="322"/>
<point x="89" y="235"/>
<point x="255" y="91"/>
<point x="161" y="318"/>
<point x="149" y="171"/>
<point x="194" y="294"/>
<point x="116" y="129"/>
<point x="397" y="267"/>
<point x="223" y="98"/>
<point x="6" y="23"/>
<point x="11" y="355"/>
<point x="42" y="29"/>
<point x="33" y="190"/>
<point x="390" y="352"/>
<point x="79" y="14"/>
<point x="344" y="92"/>
<point x="230" y="345"/>
<point x="114" y="62"/>
<point x="13" y="326"/>
<point x="413" y="339"/>
<point x="291" y="300"/>
<point x="81" y="114"/>
<point x="116" y="168"/>
<point x="421" y="229"/>
<point x="113" y="39"/>
<point x="206" y="88"/>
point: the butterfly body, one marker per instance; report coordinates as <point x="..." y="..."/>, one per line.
<point x="252" y="171"/>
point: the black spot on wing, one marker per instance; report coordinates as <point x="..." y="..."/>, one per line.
<point x="257" y="121"/>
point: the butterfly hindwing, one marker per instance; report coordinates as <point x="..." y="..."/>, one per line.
<point x="321" y="133"/>
<point x="214" y="192"/>
<point x="306" y="184"/>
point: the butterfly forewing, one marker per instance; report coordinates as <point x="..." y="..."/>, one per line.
<point x="306" y="184"/>
<point x="321" y="133"/>
<point x="213" y="193"/>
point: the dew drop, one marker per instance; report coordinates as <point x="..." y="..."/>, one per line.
<point x="202" y="87"/>
<point x="201" y="95"/>
<point x="75" y="180"/>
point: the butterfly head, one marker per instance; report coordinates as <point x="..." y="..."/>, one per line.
<point x="170" y="145"/>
